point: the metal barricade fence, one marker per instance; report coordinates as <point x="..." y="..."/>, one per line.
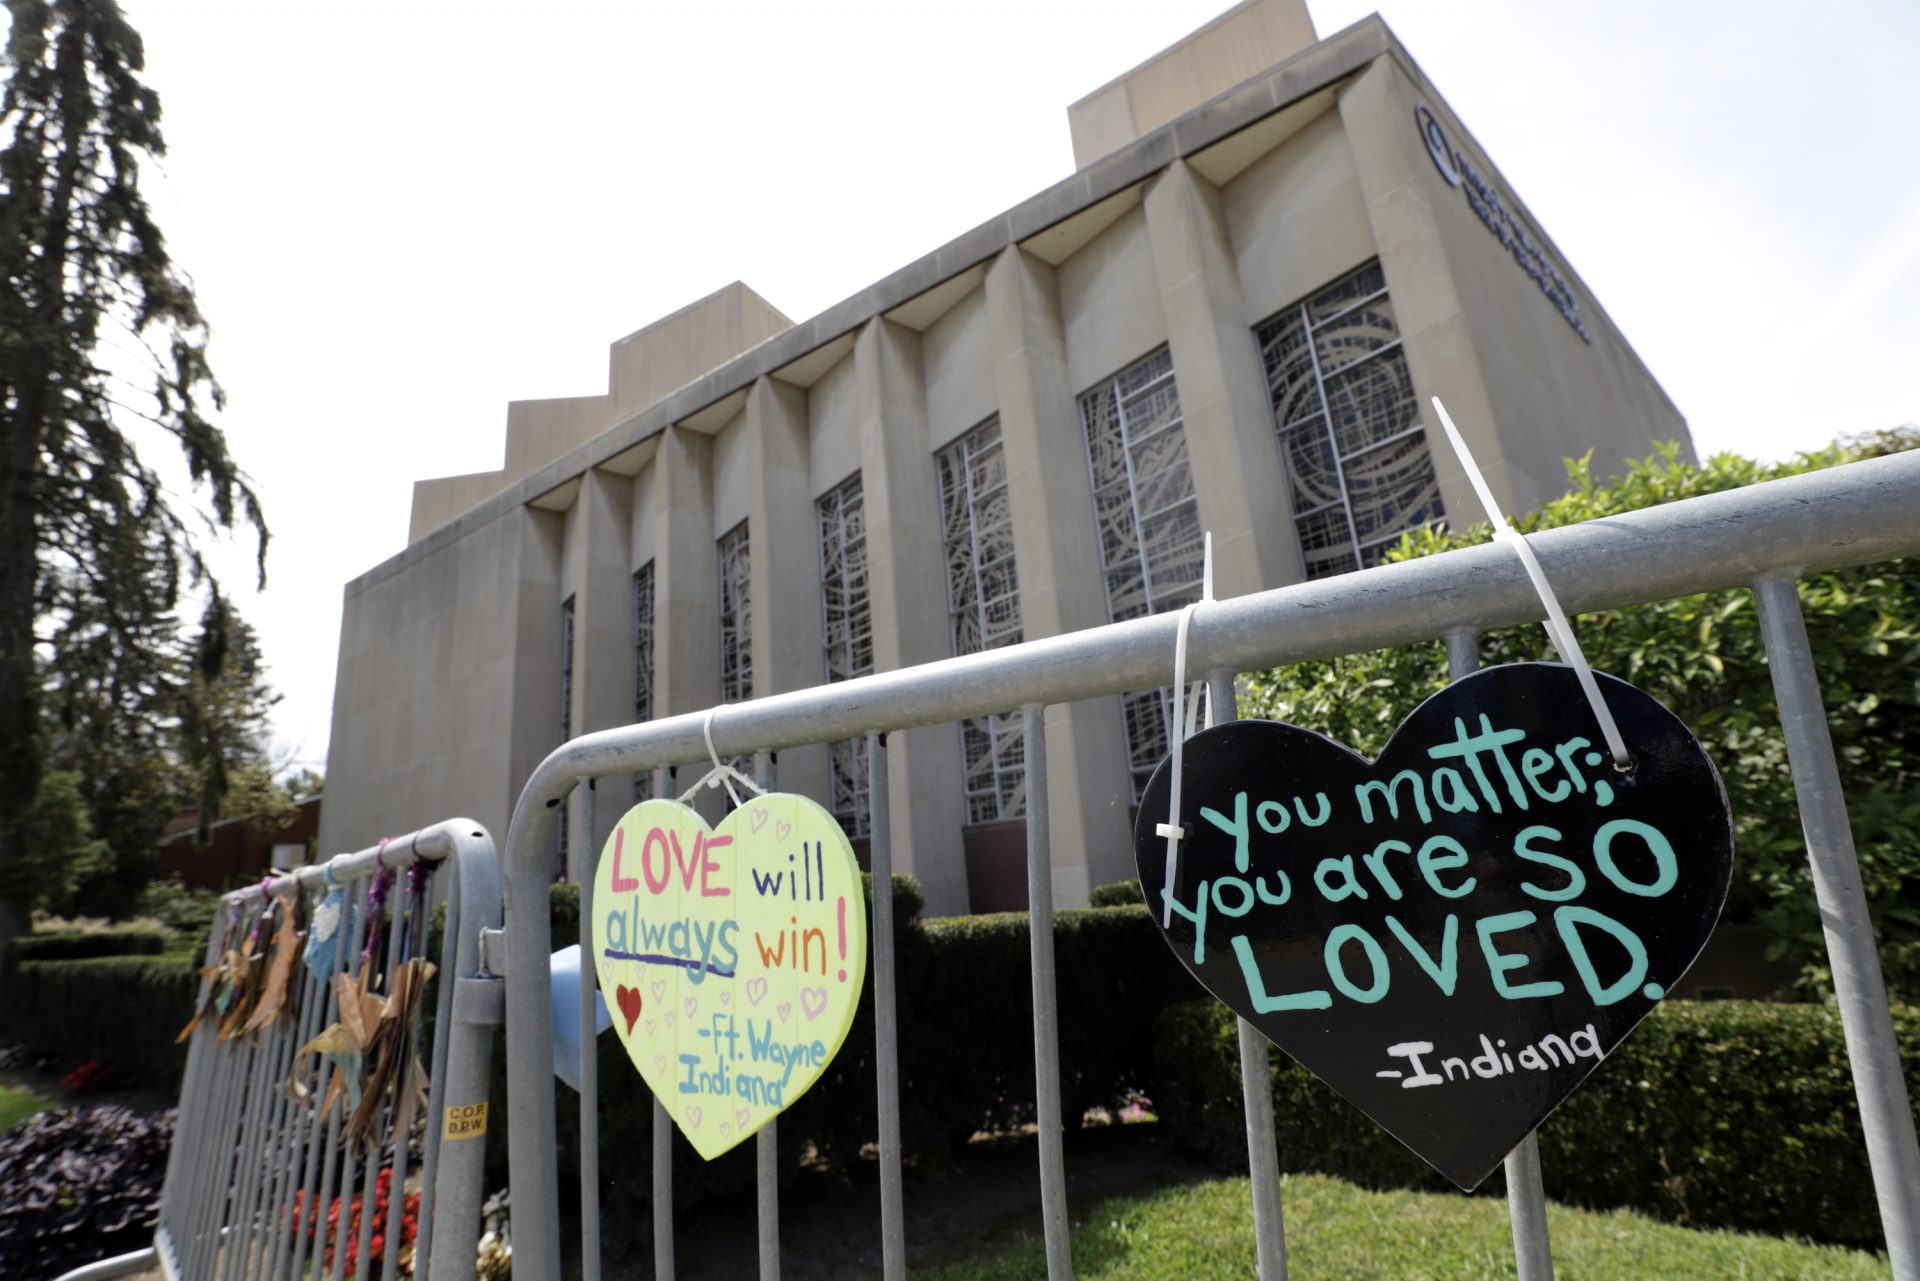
<point x="1763" y="538"/>
<point x="256" y="1166"/>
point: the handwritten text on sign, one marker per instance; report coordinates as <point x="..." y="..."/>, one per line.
<point x="732" y="957"/>
<point x="1455" y="935"/>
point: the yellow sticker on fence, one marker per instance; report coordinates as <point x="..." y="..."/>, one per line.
<point x="733" y="956"/>
<point x="469" y="1122"/>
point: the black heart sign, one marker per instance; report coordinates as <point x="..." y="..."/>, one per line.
<point x="1454" y="935"/>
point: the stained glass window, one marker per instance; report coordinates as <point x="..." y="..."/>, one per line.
<point x="1355" y="453"/>
<point x="983" y="610"/>
<point x="736" y="619"/>
<point x="1151" y="547"/>
<point x="643" y="666"/>
<point x="847" y="624"/>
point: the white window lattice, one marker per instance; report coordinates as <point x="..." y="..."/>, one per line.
<point x="736" y="618"/>
<point x="643" y="666"/>
<point x="847" y="626"/>
<point x="1152" y="551"/>
<point x="1356" y="455"/>
<point x="983" y="609"/>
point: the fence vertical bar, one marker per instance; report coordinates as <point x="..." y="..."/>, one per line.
<point x="444" y="984"/>
<point x="295" y="1131"/>
<point x="267" y="1056"/>
<point x="662" y="1138"/>
<point x="370" y="1185"/>
<point x="208" y="1194"/>
<point x="1526" y="1191"/>
<point x="766" y="1150"/>
<point x="232" y="1261"/>
<point x="1046" y="1014"/>
<point x="301" y="1140"/>
<point x="886" y="1040"/>
<point x="1263" y="1154"/>
<point x="339" y="1159"/>
<point x="585" y="861"/>
<point x="473" y="905"/>
<point x="206" y="1198"/>
<point x="416" y="943"/>
<point x="275" y="1147"/>
<point x="336" y="1124"/>
<point x="315" y="1123"/>
<point x="1886" y="1114"/>
<point x="179" y="1176"/>
<point x="189" y="1157"/>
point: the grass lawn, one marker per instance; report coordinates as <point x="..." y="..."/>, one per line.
<point x="1336" y="1232"/>
<point x="16" y="1105"/>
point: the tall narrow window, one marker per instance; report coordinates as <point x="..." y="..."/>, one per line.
<point x="643" y="665"/>
<point x="983" y="609"/>
<point x="566" y="727"/>
<point x="847" y="625"/>
<point x="736" y="619"/>
<point x="1350" y="435"/>
<point x="1151" y="548"/>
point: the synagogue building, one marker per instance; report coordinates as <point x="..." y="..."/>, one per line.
<point x="1274" y="249"/>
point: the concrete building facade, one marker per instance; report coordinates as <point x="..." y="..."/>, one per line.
<point x="1229" y="319"/>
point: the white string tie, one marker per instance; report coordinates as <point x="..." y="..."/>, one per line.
<point x="1559" y="630"/>
<point x="1182" y="728"/>
<point x="722" y="774"/>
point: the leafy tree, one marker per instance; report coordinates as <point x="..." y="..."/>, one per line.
<point x="224" y="707"/>
<point x="93" y="551"/>
<point x="1702" y="656"/>
<point x="183" y="724"/>
<point x="60" y="849"/>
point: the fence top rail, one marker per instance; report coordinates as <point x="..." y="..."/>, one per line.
<point x="1855" y="514"/>
<point x="428" y="845"/>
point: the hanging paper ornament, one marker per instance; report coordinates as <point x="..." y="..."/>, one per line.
<point x="732" y="956"/>
<point x="323" y="936"/>
<point x="1454" y="934"/>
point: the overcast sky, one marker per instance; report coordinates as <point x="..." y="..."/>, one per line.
<point x="401" y="216"/>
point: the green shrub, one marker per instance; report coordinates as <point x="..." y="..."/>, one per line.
<point x="1726" y="1114"/>
<point x="185" y="911"/>
<point x="1118" y="894"/>
<point x="1703" y="657"/>
<point x="75" y="945"/>
<point x="123" y="1010"/>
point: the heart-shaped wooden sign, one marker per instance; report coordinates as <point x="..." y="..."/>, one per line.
<point x="1454" y="935"/>
<point x="733" y="955"/>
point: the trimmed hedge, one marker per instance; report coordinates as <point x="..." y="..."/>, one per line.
<point x="123" y="1010"/>
<point x="1727" y="1114"/>
<point x="1720" y="1114"/>
<point x="1118" y="894"/>
<point x="75" y="945"/>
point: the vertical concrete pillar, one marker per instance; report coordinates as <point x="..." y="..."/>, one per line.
<point x="532" y="668"/>
<point x="1398" y="182"/>
<point x="1237" y="474"/>
<point x="907" y="594"/>
<point x="598" y="579"/>
<point x="1057" y="555"/>
<point x="686" y="576"/>
<point x="784" y="574"/>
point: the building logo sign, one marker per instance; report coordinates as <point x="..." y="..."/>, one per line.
<point x="1505" y="225"/>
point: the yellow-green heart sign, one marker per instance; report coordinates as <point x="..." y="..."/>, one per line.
<point x="731" y="957"/>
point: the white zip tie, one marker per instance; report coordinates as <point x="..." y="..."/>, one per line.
<point x="1183" y="717"/>
<point x="721" y="774"/>
<point x="1559" y="630"/>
